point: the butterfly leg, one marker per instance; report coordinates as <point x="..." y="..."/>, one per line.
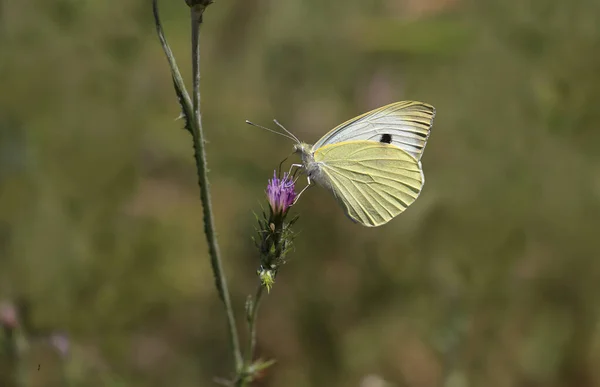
<point x="298" y="166"/>
<point x="303" y="189"/>
<point x="292" y="167"/>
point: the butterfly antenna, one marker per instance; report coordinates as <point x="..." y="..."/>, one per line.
<point x="287" y="131"/>
<point x="272" y="131"/>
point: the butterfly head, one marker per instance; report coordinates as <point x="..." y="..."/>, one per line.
<point x="311" y="167"/>
<point x="302" y="148"/>
<point x="305" y="151"/>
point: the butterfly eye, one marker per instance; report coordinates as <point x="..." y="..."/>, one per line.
<point x="386" y="138"/>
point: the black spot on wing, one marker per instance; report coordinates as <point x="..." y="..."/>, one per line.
<point x="386" y="138"/>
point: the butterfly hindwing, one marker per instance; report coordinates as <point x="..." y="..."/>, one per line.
<point x="373" y="181"/>
<point x="405" y="124"/>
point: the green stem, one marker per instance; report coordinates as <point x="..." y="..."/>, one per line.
<point x="252" y="326"/>
<point x="185" y="102"/>
<point x="191" y="112"/>
<point x="200" y="156"/>
<point x="9" y="369"/>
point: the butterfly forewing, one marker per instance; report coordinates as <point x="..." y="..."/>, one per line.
<point x="373" y="181"/>
<point x="405" y="124"/>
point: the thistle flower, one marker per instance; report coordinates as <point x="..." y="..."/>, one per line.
<point x="274" y="232"/>
<point x="281" y="194"/>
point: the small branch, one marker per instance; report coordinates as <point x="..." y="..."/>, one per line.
<point x="186" y="104"/>
<point x="252" y="368"/>
<point x="252" y="326"/>
<point x="200" y="156"/>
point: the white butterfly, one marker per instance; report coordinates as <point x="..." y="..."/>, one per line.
<point x="372" y="163"/>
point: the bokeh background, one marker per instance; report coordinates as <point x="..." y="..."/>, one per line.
<point x="492" y="278"/>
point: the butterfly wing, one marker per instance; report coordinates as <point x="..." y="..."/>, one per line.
<point x="374" y="182"/>
<point x="405" y="124"/>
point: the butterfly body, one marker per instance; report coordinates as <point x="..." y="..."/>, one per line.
<point x="313" y="169"/>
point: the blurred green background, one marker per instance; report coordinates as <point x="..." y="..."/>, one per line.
<point x="492" y="278"/>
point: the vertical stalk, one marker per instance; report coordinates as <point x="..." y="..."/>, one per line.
<point x="200" y="156"/>
<point x="252" y="326"/>
<point x="9" y="371"/>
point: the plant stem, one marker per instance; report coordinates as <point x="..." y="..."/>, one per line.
<point x="8" y="370"/>
<point x="200" y="156"/>
<point x="252" y="325"/>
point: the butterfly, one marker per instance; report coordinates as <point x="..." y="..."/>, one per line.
<point x="371" y="163"/>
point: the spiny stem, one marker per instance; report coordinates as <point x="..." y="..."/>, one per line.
<point x="200" y="156"/>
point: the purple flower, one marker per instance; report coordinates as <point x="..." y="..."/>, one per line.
<point x="60" y="342"/>
<point x="280" y="193"/>
<point x="8" y="316"/>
